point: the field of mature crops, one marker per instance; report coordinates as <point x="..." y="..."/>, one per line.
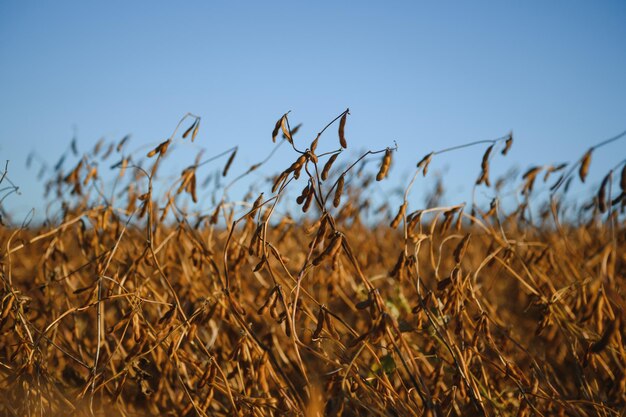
<point x="133" y="303"/>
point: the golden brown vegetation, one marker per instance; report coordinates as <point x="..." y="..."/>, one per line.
<point x="135" y="305"/>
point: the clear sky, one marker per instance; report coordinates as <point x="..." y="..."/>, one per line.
<point x="425" y="74"/>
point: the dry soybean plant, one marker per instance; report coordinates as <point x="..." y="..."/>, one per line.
<point x="134" y="303"/>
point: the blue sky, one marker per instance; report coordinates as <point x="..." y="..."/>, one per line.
<point x="425" y="74"/>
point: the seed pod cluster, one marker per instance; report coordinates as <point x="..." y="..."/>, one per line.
<point x="297" y="166"/>
<point x="160" y="149"/>
<point x="188" y="183"/>
<point x="195" y="126"/>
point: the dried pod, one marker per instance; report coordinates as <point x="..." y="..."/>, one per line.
<point x="294" y="130"/>
<point x="277" y="128"/>
<point x="331" y="250"/>
<point x="93" y="173"/>
<point x="552" y="169"/>
<point x="215" y="215"/>
<point x="328" y="165"/>
<point x="342" y="126"/>
<point x="161" y="149"/>
<point x="307" y="201"/>
<point x="384" y="166"/>
<point x="330" y="326"/>
<point x="507" y="144"/>
<point x="321" y="314"/>
<point x="271" y="300"/>
<point x="584" y="165"/>
<point x="461" y="248"/>
<point x="397" y="267"/>
<point x="296" y="166"/>
<point x="191" y="187"/>
<point x="601" y="197"/>
<point x="493" y="207"/>
<point x="168" y="316"/>
<point x="122" y="142"/>
<point x="338" y="191"/>
<point x="188" y="131"/>
<point x="7" y="308"/>
<point x="72" y="177"/>
<point x="207" y="376"/>
<point x="396" y="220"/>
<point x="622" y="180"/>
<point x="313" y="146"/>
<point x="59" y="163"/>
<point x="448" y="216"/>
<point x="98" y="146"/>
<point x="195" y="130"/>
<point x="285" y="128"/>
<point x="424" y="162"/>
<point x="260" y="265"/>
<point x="229" y="162"/>
<point x="459" y="221"/>
<point x="303" y="195"/>
<point x="484" y="166"/>
<point x="529" y="177"/>
<point x="362" y="305"/>
<point x="255" y="240"/>
<point x="279" y="179"/>
<point x="256" y="205"/>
